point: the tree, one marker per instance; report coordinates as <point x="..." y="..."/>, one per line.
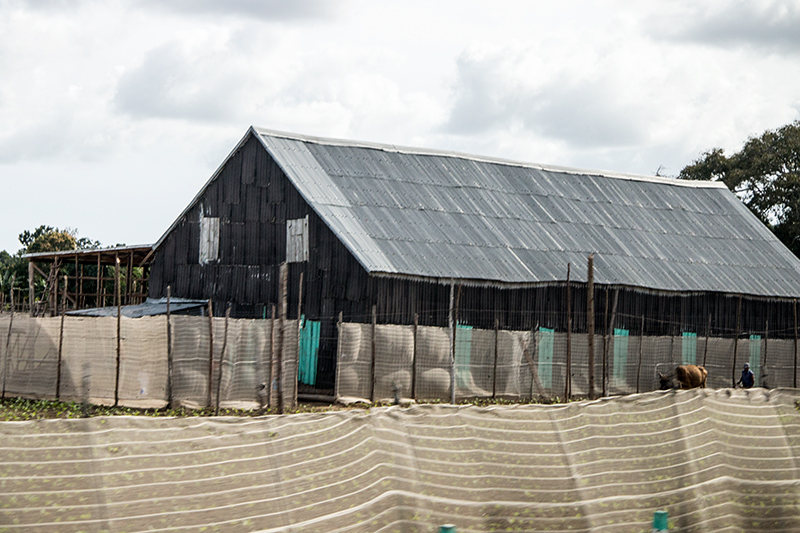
<point x="765" y="174"/>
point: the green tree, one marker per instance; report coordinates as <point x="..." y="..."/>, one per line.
<point x="765" y="174"/>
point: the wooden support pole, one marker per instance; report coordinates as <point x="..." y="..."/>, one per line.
<point x="210" y="352"/>
<point x="273" y="365"/>
<point x="736" y="342"/>
<point x="170" y="375"/>
<point x="60" y="348"/>
<point x="222" y="358"/>
<point x="610" y="336"/>
<point x="452" y="325"/>
<point x="764" y="373"/>
<point x="283" y="309"/>
<point x="119" y="331"/>
<point x="299" y="327"/>
<point x="708" y="339"/>
<point x="794" y="311"/>
<point x="6" y="355"/>
<point x="494" y="366"/>
<point x="568" y="368"/>
<point x="31" y="274"/>
<point x="98" y="303"/>
<point x="641" y="352"/>
<point x="590" y="321"/>
<point x="129" y="280"/>
<point x="414" y="358"/>
<point x="372" y="353"/>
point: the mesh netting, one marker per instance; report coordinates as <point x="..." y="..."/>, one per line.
<point x="239" y="369"/>
<point x="491" y="363"/>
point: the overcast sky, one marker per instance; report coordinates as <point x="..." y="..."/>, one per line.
<point x="113" y="114"/>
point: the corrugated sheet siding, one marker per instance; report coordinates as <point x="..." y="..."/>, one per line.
<point x="441" y="216"/>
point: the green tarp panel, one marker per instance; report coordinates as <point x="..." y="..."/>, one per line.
<point x="620" y="354"/>
<point x="755" y="358"/>
<point x="463" y="354"/>
<point x="309" y="349"/>
<point x="546" y="336"/>
<point x="689" y="348"/>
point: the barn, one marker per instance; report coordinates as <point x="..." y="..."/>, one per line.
<point x="401" y="235"/>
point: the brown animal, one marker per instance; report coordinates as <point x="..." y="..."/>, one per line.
<point x="687" y="377"/>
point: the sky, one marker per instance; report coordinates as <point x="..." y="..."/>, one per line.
<point x="114" y="113"/>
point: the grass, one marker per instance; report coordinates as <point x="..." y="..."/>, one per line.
<point x="12" y="409"/>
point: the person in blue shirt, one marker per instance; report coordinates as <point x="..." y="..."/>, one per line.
<point x="748" y="379"/>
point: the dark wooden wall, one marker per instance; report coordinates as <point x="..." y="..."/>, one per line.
<point x="253" y="199"/>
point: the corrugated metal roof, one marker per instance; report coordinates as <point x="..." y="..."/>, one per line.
<point x="430" y="214"/>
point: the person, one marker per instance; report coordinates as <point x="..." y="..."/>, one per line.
<point x="748" y="379"/>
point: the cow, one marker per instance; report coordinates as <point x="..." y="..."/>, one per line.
<point x="687" y="377"/>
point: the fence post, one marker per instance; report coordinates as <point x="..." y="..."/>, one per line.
<point x="452" y="325"/>
<point x="736" y="342"/>
<point x="119" y="330"/>
<point x="299" y="328"/>
<point x="568" y="369"/>
<point x="414" y="359"/>
<point x="708" y="338"/>
<point x="283" y="303"/>
<point x="210" y="351"/>
<point x="60" y="346"/>
<point x="794" y="311"/>
<point x="169" y="350"/>
<point x="272" y="397"/>
<point x="372" y="354"/>
<point x="494" y="368"/>
<point x="641" y="351"/>
<point x="222" y="357"/>
<point x="590" y="321"/>
<point x="764" y="373"/>
<point x="8" y="344"/>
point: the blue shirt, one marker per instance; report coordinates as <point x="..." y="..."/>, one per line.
<point x="748" y="379"/>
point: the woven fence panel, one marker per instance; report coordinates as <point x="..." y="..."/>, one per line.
<point x="354" y="361"/>
<point x="245" y="361"/>
<point x="143" y="362"/>
<point x="5" y="322"/>
<point x="32" y="357"/>
<point x="433" y="363"/>
<point x="190" y="360"/>
<point x="89" y="359"/>
<point x="394" y="353"/>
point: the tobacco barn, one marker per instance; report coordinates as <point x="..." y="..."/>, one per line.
<point x="414" y="232"/>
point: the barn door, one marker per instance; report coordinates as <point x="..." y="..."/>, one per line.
<point x="309" y="349"/>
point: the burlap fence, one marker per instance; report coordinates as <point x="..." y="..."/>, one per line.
<point x="416" y="362"/>
<point x="79" y="359"/>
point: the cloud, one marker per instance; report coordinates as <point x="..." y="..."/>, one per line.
<point x="768" y="25"/>
<point x="173" y="83"/>
<point x="499" y="91"/>
<point x="267" y="10"/>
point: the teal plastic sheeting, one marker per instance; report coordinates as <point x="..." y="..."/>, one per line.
<point x="620" y="355"/>
<point x="546" y="337"/>
<point x="309" y="349"/>
<point x="689" y="348"/>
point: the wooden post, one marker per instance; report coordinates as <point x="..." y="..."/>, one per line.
<point x="60" y="347"/>
<point x="272" y="394"/>
<point x="764" y="372"/>
<point x="794" y="311"/>
<point x="98" y="303"/>
<point x="708" y="339"/>
<point x="338" y="351"/>
<point x="372" y="353"/>
<point x="210" y="351"/>
<point x="119" y="331"/>
<point x="736" y="342"/>
<point x="6" y="355"/>
<point x="222" y="358"/>
<point x="31" y="274"/>
<point x="299" y="327"/>
<point x="452" y="325"/>
<point x="170" y="398"/>
<point x="414" y="359"/>
<point x="639" y="366"/>
<point x="283" y="304"/>
<point x="128" y="280"/>
<point x="568" y="368"/>
<point x="590" y="321"/>
<point x="494" y="367"/>
<point x="610" y="337"/>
